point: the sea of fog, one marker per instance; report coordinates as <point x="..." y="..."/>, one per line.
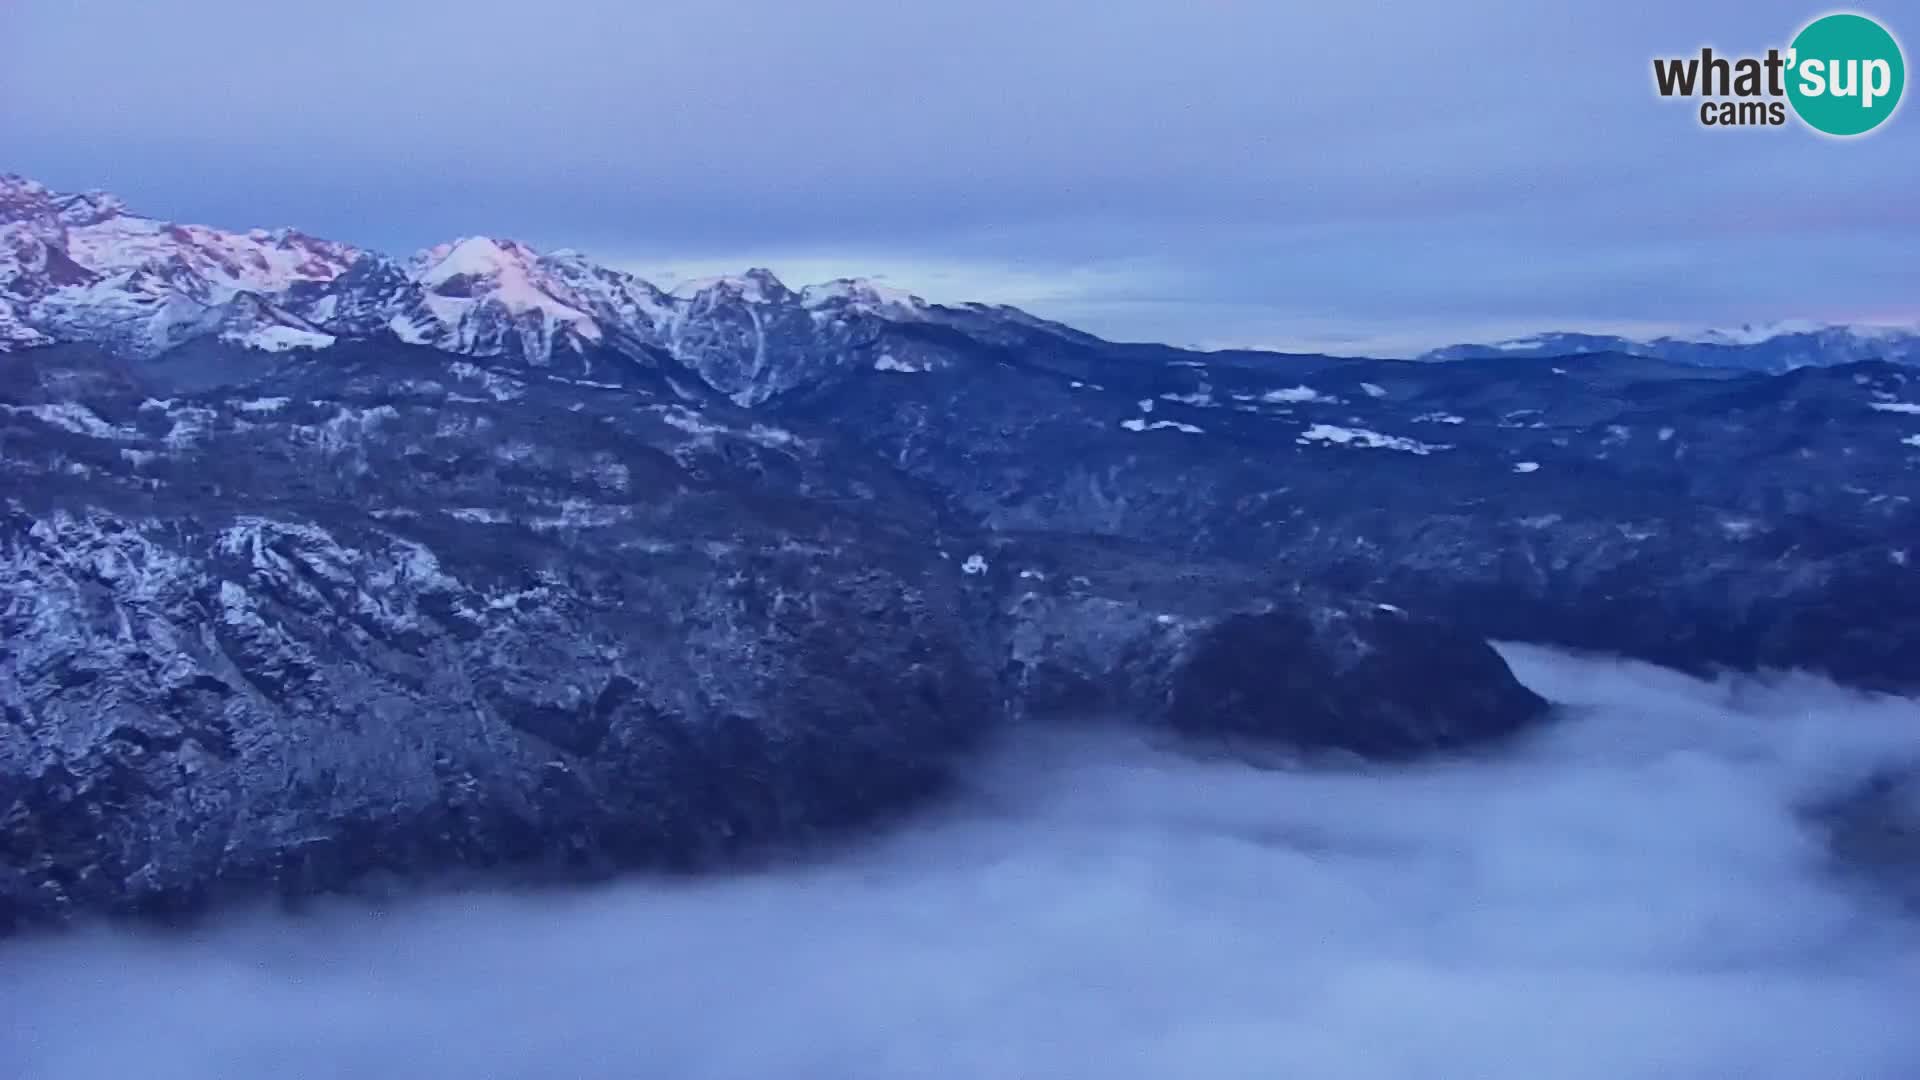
<point x="1637" y="892"/>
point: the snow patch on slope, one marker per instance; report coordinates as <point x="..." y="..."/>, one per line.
<point x="1361" y="437"/>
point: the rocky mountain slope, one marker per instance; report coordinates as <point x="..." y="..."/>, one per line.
<point x="518" y="564"/>
<point x="285" y="623"/>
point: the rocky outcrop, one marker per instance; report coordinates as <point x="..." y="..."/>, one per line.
<point x="1203" y="654"/>
<point x="1374" y="682"/>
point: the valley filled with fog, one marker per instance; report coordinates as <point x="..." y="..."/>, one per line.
<point x="1641" y="889"/>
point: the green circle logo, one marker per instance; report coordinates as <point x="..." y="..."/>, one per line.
<point x="1845" y="74"/>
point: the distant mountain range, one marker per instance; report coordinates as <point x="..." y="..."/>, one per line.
<point x="1774" y="347"/>
<point x="82" y="268"/>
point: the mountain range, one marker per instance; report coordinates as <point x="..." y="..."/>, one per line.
<point x="319" y="569"/>
<point x="83" y="268"/>
<point x="1773" y="347"/>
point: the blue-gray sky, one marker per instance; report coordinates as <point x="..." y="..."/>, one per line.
<point x="1356" y="176"/>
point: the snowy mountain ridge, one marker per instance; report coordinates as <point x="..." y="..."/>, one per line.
<point x="82" y="268"/>
<point x="1772" y="347"/>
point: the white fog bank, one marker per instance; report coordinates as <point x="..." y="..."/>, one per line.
<point x="1633" y="894"/>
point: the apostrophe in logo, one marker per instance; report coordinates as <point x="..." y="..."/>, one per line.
<point x="1846" y="74"/>
<point x="1842" y="75"/>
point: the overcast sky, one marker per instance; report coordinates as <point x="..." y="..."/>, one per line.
<point x="1355" y="176"/>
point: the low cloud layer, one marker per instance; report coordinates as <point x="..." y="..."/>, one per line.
<point x="1634" y="894"/>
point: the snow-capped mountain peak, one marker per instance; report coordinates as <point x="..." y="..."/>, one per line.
<point x="23" y="198"/>
<point x="505" y="272"/>
<point x="471" y="256"/>
<point x="95" y="232"/>
<point x="757" y="286"/>
<point x="90" y="208"/>
<point x="81" y="267"/>
<point x="484" y="295"/>
<point x="863" y="294"/>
